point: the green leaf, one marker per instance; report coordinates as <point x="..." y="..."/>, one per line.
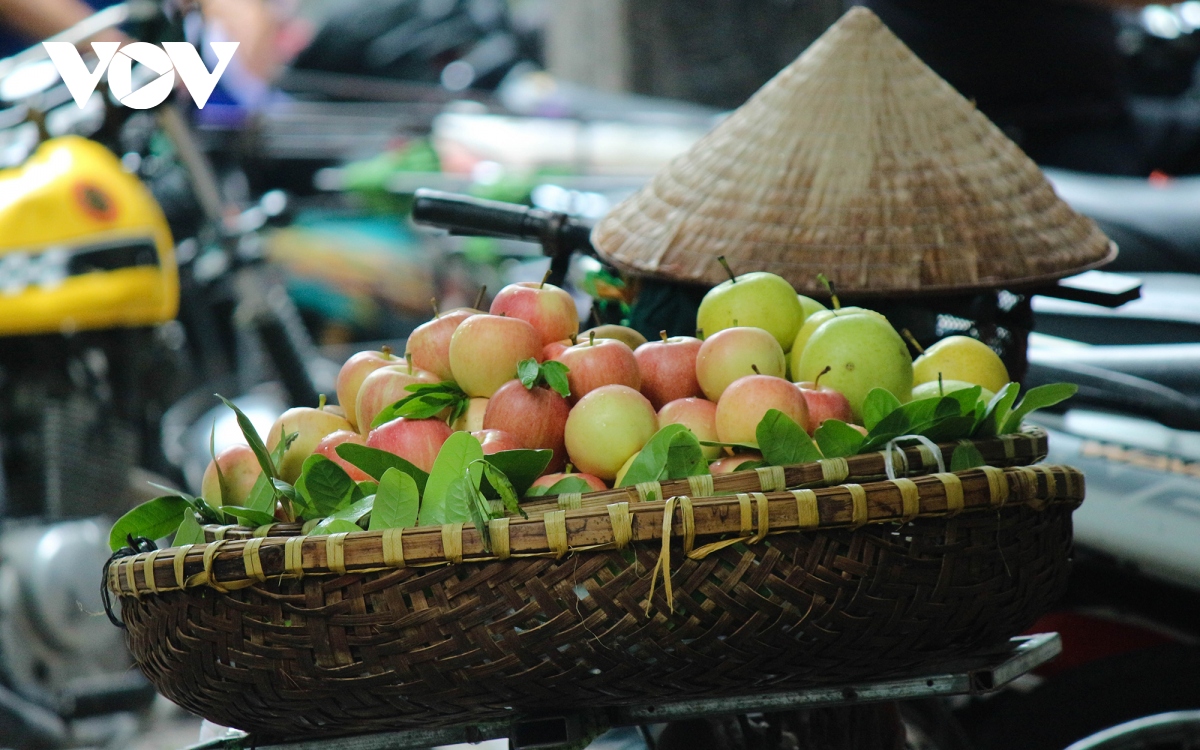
<point x="465" y="503"/>
<point x="836" y="439"/>
<point x="153" y="519"/>
<point x="522" y="467"/>
<point x="425" y="400"/>
<point x="527" y="372"/>
<point x="336" y="526"/>
<point x="504" y="488"/>
<point x="367" y="487"/>
<point x="190" y="531"/>
<point x="783" y="442"/>
<point x="949" y="428"/>
<point x="326" y="484"/>
<point x="879" y="403"/>
<point x="375" y="462"/>
<point x="651" y="463"/>
<point x="892" y="426"/>
<point x="252" y="439"/>
<point x="351" y="514"/>
<point x="967" y="398"/>
<point x="555" y="375"/>
<point x="1038" y="398"/>
<point x="459" y="451"/>
<point x="281" y="447"/>
<point x="396" y="502"/>
<point x="966" y="456"/>
<point x="208" y="514"/>
<point x="566" y="484"/>
<point x="685" y="458"/>
<point x="997" y="412"/>
<point x="249" y="516"/>
<point x="719" y="444"/>
<point x="262" y="496"/>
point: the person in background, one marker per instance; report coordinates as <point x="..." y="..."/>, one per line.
<point x="1049" y="73"/>
<point x="23" y="23"/>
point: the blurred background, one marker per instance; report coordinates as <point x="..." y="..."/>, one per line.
<point x="279" y="231"/>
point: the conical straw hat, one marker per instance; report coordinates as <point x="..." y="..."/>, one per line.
<point x="859" y="162"/>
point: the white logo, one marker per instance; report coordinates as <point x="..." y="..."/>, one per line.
<point x="179" y="57"/>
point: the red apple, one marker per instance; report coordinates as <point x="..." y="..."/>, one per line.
<point x="607" y="426"/>
<point x="554" y="348"/>
<point x="239" y="467"/>
<point x="485" y="350"/>
<point x="536" y="417"/>
<point x="354" y="372"/>
<point x="824" y="403"/>
<point x="730" y="464"/>
<point x="494" y="441"/>
<point x="549" y="480"/>
<point x="327" y="448"/>
<point x="733" y="353"/>
<point x="697" y="415"/>
<point x="429" y="344"/>
<point x="550" y="310"/>
<point x="668" y="369"/>
<point x="747" y="400"/>
<point x="598" y="362"/>
<point x="385" y="387"/>
<point x="310" y="425"/>
<point x="415" y="440"/>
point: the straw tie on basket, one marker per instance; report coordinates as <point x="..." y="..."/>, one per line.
<point x="772" y="478"/>
<point x="570" y="501"/>
<point x="833" y="470"/>
<point x="750" y="506"/>
<point x="622" y="524"/>
<point x="664" y="556"/>
<point x="701" y="486"/>
<point x="930" y="454"/>
<point x="501" y="541"/>
<point x="954" y="492"/>
<point x="649" y="492"/>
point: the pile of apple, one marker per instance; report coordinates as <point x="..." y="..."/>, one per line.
<point x="760" y="346"/>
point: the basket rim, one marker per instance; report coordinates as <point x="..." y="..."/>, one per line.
<point x="227" y="565"/>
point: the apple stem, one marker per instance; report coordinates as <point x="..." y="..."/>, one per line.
<point x="700" y="333"/>
<point x="941" y="388"/>
<point x="664" y="336"/>
<point x="569" y="468"/>
<point x="408" y="361"/>
<point x="829" y="287"/>
<point x="321" y="401"/>
<point x="433" y="303"/>
<point x="911" y="339"/>
<point x="574" y="337"/>
<point x="545" y="278"/>
<point x="591" y="338"/>
<point x="725" y="264"/>
<point x="755" y="368"/>
<point x="817" y="379"/>
<point x="386" y="350"/>
<point x="479" y="297"/>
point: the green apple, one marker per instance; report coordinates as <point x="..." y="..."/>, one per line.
<point x="961" y="358"/>
<point x="757" y="300"/>
<point x="863" y="352"/>
<point x="606" y="427"/>
<point x="933" y="388"/>
<point x="809" y="305"/>
<point x="810" y="326"/>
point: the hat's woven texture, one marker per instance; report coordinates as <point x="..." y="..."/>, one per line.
<point x="859" y="162"/>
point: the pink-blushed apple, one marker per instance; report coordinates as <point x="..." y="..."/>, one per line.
<point x="239" y="467"/>
<point x="485" y="351"/>
<point x="550" y="310"/>
<point x="824" y="403"/>
<point x="334" y="409"/>
<point x="598" y="362"/>
<point x="730" y="464"/>
<point x="429" y="345"/>
<point x="328" y="448"/>
<point x="735" y="353"/>
<point x="471" y="420"/>
<point x="668" y="369"/>
<point x="633" y="339"/>
<point x="746" y="401"/>
<point x="698" y="415"/>
<point x="415" y="440"/>
<point x="384" y="387"/>
<point x="606" y="427"/>
<point x="596" y="484"/>
<point x="494" y="441"/>
<point x="354" y="372"/>
<point x="554" y="348"/>
<point x="310" y="425"/>
<point x="536" y="416"/>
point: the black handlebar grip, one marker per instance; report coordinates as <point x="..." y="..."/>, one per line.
<point x="462" y="214"/>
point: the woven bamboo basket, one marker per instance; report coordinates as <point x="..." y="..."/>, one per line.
<point x="1016" y="449"/>
<point x="598" y="606"/>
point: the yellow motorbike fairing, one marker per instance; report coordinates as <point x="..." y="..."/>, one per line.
<point x="83" y="244"/>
